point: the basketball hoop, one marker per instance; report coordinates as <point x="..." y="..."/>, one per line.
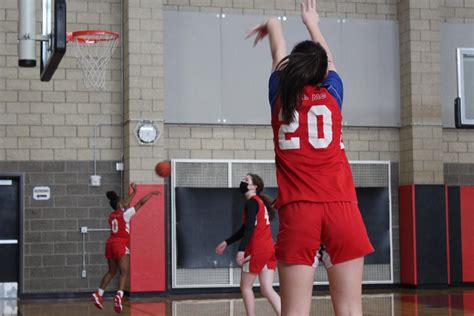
<point x="94" y="48"/>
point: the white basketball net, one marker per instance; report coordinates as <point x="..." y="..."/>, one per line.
<point x="94" y="53"/>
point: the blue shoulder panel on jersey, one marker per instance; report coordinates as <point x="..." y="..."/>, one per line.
<point x="273" y="84"/>
<point x="333" y="83"/>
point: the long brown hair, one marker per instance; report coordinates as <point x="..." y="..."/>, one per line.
<point x="257" y="180"/>
<point x="306" y="65"/>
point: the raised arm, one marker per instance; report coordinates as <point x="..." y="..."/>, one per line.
<point x="132" y="195"/>
<point x="145" y="199"/>
<point x="273" y="29"/>
<point x="311" y="20"/>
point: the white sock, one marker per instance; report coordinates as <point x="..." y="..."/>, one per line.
<point x="120" y="293"/>
<point x="101" y="292"/>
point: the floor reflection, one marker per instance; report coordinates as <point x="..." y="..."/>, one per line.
<point x="450" y="302"/>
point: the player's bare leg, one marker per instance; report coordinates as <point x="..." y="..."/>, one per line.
<point x="345" y="284"/>
<point x="97" y="297"/>
<point x="266" y="288"/>
<point x="246" y="284"/>
<point x="124" y="265"/>
<point x="113" y="268"/>
<point x="296" y="288"/>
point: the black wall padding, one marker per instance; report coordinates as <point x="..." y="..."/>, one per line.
<point x="374" y="207"/>
<point x="10" y="211"/>
<point x="430" y="206"/>
<point x="10" y="256"/>
<point x="206" y="216"/>
<point x="455" y="244"/>
<point x="10" y="229"/>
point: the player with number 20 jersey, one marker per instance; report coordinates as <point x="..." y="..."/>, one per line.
<point x="317" y="205"/>
<point x="316" y="192"/>
<point x="310" y="156"/>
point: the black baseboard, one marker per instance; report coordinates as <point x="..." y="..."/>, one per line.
<point x="207" y="291"/>
<point x="462" y="285"/>
<point x="425" y="286"/>
<point x="146" y="294"/>
<point x="60" y="295"/>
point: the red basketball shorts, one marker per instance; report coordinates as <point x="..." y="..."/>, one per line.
<point x="116" y="250"/>
<point x="310" y="232"/>
<point x="258" y="262"/>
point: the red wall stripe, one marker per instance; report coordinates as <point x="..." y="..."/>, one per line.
<point x="147" y="243"/>
<point x="448" y="254"/>
<point x="467" y="232"/>
<point x="148" y="308"/>
<point x="410" y="302"/>
<point x="468" y="303"/>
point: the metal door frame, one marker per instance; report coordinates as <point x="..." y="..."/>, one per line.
<point x="21" y="232"/>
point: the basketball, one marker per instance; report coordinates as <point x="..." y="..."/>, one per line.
<point x="163" y="169"/>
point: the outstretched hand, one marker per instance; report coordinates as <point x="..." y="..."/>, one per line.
<point x="309" y="14"/>
<point x="260" y="31"/>
<point x="220" y="248"/>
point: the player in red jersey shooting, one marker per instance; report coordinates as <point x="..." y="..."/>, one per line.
<point x="318" y="212"/>
<point x="117" y="246"/>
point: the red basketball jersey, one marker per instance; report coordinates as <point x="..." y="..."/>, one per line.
<point x="311" y="163"/>
<point x="261" y="241"/>
<point x="119" y="222"/>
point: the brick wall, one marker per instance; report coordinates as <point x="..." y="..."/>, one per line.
<point x="458" y="145"/>
<point x="256" y="142"/>
<point x="52" y="239"/>
<point x="457" y="11"/>
<point x="380" y="9"/>
<point x="421" y="116"/>
<point x="46" y="133"/>
<point x="143" y="84"/>
<point x="55" y="120"/>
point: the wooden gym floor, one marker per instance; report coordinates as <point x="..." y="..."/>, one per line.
<point x="405" y="302"/>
